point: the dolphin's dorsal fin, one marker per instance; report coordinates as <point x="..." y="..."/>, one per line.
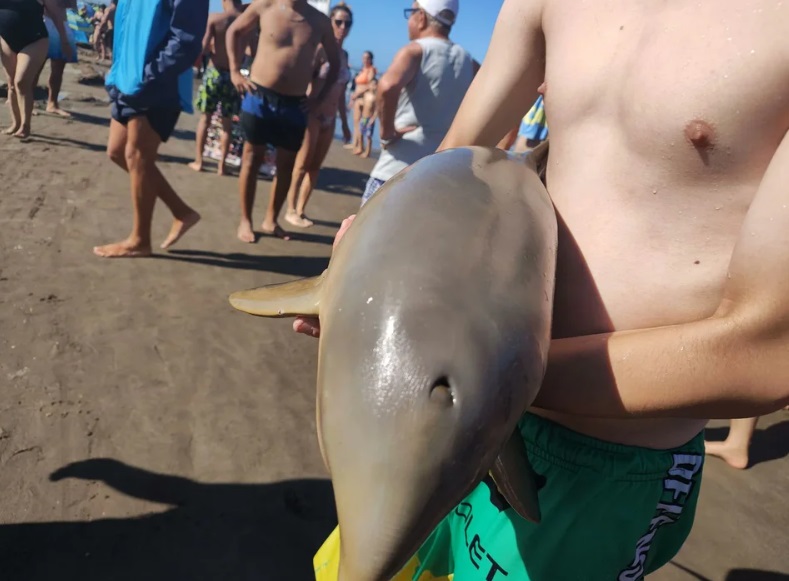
<point x="289" y="299"/>
<point x="515" y="478"/>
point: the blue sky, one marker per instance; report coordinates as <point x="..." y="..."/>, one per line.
<point x="379" y="26"/>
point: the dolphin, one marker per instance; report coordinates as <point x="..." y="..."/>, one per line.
<point x="435" y="314"/>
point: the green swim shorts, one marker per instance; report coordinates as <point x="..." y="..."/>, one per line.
<point x="217" y="90"/>
<point x="609" y="512"/>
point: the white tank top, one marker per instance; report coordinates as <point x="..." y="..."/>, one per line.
<point x="430" y="101"/>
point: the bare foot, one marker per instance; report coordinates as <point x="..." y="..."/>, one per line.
<point x="125" y="249"/>
<point x="734" y="457"/>
<point x="245" y="233"/>
<point x="357" y="151"/>
<point x="220" y="170"/>
<point x="300" y="221"/>
<point x="11" y="130"/>
<point x="22" y="133"/>
<point x="196" y="165"/>
<point x="55" y="110"/>
<point x="180" y="227"/>
<point x="276" y="231"/>
<point x="366" y="154"/>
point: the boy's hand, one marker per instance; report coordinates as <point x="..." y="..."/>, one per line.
<point x="241" y="83"/>
<point x="397" y="136"/>
<point x="311" y="325"/>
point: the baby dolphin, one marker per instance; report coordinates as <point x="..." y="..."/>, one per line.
<point x="435" y="315"/>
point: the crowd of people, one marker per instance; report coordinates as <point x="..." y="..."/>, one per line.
<point x="279" y="70"/>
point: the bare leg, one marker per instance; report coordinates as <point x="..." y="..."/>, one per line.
<point x="321" y="150"/>
<point x="279" y="192"/>
<point x="734" y="449"/>
<point x="28" y="66"/>
<point x="521" y="145"/>
<point x="358" y="142"/>
<point x="227" y="132"/>
<point x="9" y="65"/>
<point x="357" y="117"/>
<point x="303" y="159"/>
<point x="368" y="150"/>
<point x="135" y="150"/>
<point x="251" y="160"/>
<point x="184" y="217"/>
<point x="202" y="135"/>
<point x="55" y="83"/>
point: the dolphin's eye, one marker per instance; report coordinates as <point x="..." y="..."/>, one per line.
<point x="441" y="391"/>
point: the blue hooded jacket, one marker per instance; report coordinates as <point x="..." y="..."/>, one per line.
<point x="156" y="44"/>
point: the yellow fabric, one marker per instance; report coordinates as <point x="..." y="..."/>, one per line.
<point x="326" y="563"/>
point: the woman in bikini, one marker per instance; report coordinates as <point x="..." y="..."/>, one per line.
<point x="367" y="74"/>
<point x="24" y="43"/>
<point x="320" y="127"/>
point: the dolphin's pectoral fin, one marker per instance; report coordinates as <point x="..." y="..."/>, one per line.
<point x="289" y="299"/>
<point x="538" y="159"/>
<point x="515" y="478"/>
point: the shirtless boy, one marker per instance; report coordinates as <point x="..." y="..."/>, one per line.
<point x="367" y="121"/>
<point x="274" y="107"/>
<point x="668" y="168"/>
<point x="217" y="89"/>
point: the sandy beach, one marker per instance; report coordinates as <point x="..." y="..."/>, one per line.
<point x="149" y="431"/>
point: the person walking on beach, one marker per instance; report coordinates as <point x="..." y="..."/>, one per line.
<point x="149" y="84"/>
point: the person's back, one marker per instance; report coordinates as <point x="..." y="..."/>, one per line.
<point x="220" y="23"/>
<point x="289" y="37"/>
<point x="428" y="103"/>
<point x="432" y="99"/>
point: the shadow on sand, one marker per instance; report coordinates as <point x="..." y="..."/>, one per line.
<point x="771" y="443"/>
<point x="738" y="574"/>
<point x="90" y="119"/>
<point x="209" y="532"/>
<point x="347" y="182"/>
<point x="300" y="266"/>
<point x="66" y="142"/>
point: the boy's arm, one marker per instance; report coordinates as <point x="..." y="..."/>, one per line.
<point x="209" y="35"/>
<point x="342" y="110"/>
<point x="57" y="12"/>
<point x="332" y="51"/>
<point x="401" y="72"/>
<point x="241" y="29"/>
<point x="506" y="85"/>
<point x="733" y="364"/>
<point x="187" y="26"/>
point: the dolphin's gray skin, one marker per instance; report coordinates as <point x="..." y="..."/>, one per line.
<point x="435" y="325"/>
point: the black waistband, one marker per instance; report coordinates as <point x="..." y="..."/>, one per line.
<point x="262" y="91"/>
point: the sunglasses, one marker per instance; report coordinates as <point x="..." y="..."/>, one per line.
<point x="340" y="23"/>
<point x="408" y="12"/>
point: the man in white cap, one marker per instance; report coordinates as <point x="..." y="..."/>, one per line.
<point x="421" y="90"/>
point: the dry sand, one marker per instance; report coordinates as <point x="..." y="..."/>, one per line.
<point x="149" y="431"/>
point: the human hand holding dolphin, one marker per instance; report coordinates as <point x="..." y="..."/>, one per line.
<point x="311" y="325"/>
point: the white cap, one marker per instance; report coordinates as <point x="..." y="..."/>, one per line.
<point x="434" y="8"/>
